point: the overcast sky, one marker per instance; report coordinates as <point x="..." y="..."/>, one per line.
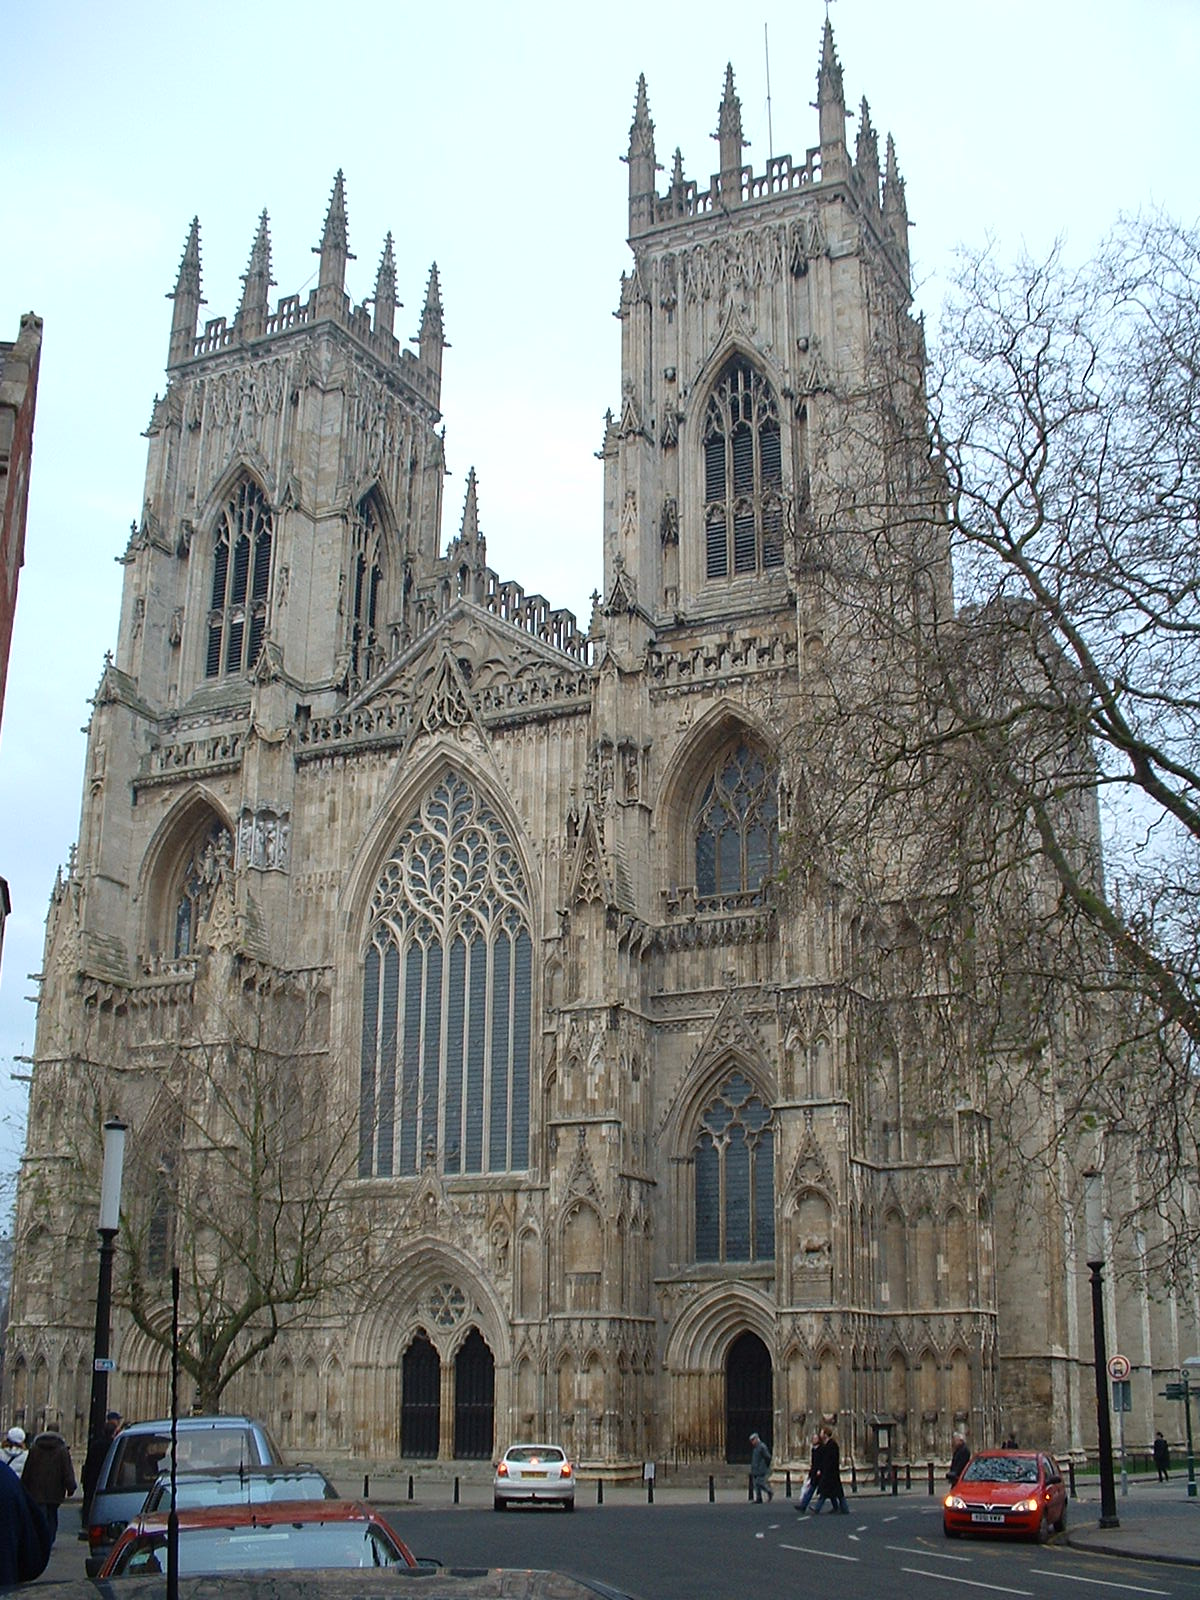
<point x="489" y="138"/>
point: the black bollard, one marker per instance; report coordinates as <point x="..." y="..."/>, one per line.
<point x="456" y="1491"/>
<point x="896" y="1478"/>
<point x="410" y="1486"/>
<point x="1071" y="1479"/>
<point x="853" y="1478"/>
<point x="649" y="1491"/>
<point x="787" y="1484"/>
<point x="749" y="1488"/>
<point x="908" y="1474"/>
<point x="712" y="1493"/>
<point x="599" y="1491"/>
<point x="931" y="1477"/>
<point x="366" y="1485"/>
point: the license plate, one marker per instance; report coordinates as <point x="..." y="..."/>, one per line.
<point x="987" y="1516"/>
<point x="528" y="1474"/>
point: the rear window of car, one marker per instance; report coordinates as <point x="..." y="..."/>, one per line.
<point x="269" y="1547"/>
<point x="530" y="1453"/>
<point x="140" y="1457"/>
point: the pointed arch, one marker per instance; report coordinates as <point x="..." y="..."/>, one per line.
<point x="190" y="856"/>
<point x="240" y="572"/>
<point x="366" y="576"/>
<point x="742" y="463"/>
<point x="446" y="958"/>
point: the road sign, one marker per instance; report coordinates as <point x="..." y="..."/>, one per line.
<point x="1119" y="1367"/>
<point x="1122" y="1391"/>
<point x="104" y="1364"/>
<point x="1175" y="1391"/>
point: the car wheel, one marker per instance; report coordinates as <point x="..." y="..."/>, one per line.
<point x="569" y="1505"/>
<point x="951" y="1533"/>
<point x="498" y="1504"/>
<point x="1061" y="1525"/>
<point x="1043" y="1530"/>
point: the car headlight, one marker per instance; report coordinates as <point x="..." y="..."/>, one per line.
<point x="954" y="1502"/>
<point x="1027" y="1505"/>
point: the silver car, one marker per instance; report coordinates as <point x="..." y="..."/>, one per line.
<point x="534" y="1472"/>
<point x="140" y="1452"/>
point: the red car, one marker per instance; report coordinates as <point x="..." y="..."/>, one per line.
<point x="1007" y="1491"/>
<point x="309" y="1534"/>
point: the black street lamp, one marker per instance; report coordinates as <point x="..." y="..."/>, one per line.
<point x="1094" y="1243"/>
<point x="110" y="1222"/>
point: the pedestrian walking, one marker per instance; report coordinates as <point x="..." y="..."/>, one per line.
<point x="15" y="1451"/>
<point x="1162" y="1458"/>
<point x="24" y="1536"/>
<point x="962" y="1454"/>
<point x="829" y="1484"/>
<point x="760" y="1467"/>
<point x="49" y="1476"/>
<point x="814" y="1472"/>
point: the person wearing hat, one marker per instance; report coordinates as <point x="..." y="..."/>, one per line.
<point x="760" y="1466"/>
<point x="49" y="1476"/>
<point x="14" y="1450"/>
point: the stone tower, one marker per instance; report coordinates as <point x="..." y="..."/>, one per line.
<point x="635" y="1152"/>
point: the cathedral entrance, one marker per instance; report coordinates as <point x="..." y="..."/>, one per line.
<point x="420" y="1400"/>
<point x="474" y="1399"/>
<point x="749" y="1401"/>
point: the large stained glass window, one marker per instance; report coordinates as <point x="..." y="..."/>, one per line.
<point x="241" y="583"/>
<point x="734" y="1158"/>
<point x="447" y="978"/>
<point x="366" y="582"/>
<point x="743" y="475"/>
<point x="737" y="831"/>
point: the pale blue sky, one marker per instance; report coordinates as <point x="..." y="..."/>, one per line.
<point x="488" y="138"/>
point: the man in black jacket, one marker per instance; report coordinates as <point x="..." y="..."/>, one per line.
<point x="962" y="1454"/>
<point x="24" y="1537"/>
<point x="49" y="1476"/>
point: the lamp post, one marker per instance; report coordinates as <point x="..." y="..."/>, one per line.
<point x="110" y="1221"/>
<point x="1094" y="1244"/>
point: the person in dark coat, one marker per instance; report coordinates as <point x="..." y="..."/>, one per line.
<point x="962" y="1454"/>
<point x="760" y="1466"/>
<point x="1162" y="1458"/>
<point x="829" y="1483"/>
<point x="24" y="1535"/>
<point x="814" y="1472"/>
<point x="49" y="1477"/>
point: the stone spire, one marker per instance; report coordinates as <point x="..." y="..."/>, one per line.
<point x="729" y="137"/>
<point x="385" y="291"/>
<point x="469" y="532"/>
<point x="642" y="165"/>
<point x="251" y="320"/>
<point x="186" y="296"/>
<point x="431" y="339"/>
<point x="866" y="154"/>
<point x="677" y="183"/>
<point x="831" y="109"/>
<point x="895" y="207"/>
<point x="334" y="251"/>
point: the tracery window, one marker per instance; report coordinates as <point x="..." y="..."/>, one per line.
<point x="447" y="978"/>
<point x="737" y="831"/>
<point x="241" y="583"/>
<point x="366" y="582"/>
<point x="734" y="1160"/>
<point x="743" y="475"/>
<point x="207" y="865"/>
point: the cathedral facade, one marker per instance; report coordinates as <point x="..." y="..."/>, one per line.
<point x="630" y="1159"/>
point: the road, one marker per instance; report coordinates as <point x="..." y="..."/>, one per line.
<point x="885" y="1549"/>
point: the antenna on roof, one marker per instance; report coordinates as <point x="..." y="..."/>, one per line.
<point x="770" y="135"/>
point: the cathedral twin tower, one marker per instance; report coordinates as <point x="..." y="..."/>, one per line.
<point x="489" y="911"/>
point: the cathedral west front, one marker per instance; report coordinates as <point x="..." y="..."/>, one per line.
<point x="629" y="1152"/>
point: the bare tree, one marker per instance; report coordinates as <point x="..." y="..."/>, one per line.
<point x="1006" y="586"/>
<point x="238" y="1178"/>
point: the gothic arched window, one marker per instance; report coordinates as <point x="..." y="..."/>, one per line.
<point x="447" y="979"/>
<point x="206" y="864"/>
<point x="241" y="583"/>
<point x="734" y="1158"/>
<point x="743" y="475"/>
<point x="366" y="582"/>
<point x="736" y="831"/>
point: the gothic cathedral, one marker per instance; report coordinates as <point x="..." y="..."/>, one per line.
<point x="617" y="1154"/>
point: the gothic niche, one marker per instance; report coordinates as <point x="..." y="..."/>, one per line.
<point x="201" y="904"/>
<point x="812" y="1251"/>
<point x="263" y="838"/>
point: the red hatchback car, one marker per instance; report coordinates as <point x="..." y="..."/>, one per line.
<point x="306" y="1534"/>
<point x="1007" y="1491"/>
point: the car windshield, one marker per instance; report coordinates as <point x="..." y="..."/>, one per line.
<point x="140" y="1457"/>
<point x="238" y="1488"/>
<point x="273" y="1547"/>
<point x="534" y="1453"/>
<point x="1001" y="1469"/>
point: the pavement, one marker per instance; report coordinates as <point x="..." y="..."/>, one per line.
<point x="1156" y="1522"/>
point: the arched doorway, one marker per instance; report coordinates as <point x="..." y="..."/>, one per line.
<point x="474" y="1399"/>
<point x="420" y="1400"/>
<point x="749" y="1400"/>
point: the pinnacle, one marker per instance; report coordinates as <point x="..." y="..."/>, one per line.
<point x="188" y="277"/>
<point x="829" y="74"/>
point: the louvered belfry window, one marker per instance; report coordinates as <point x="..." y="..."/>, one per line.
<point x="737" y="831"/>
<point x="734" y="1158"/>
<point x="743" y="475"/>
<point x="447" y="978"/>
<point x="241" y="586"/>
<point x="366" y="581"/>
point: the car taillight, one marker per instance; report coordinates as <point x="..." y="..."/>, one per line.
<point x="566" y="1469"/>
<point x="95" y="1535"/>
<point x="502" y="1470"/>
